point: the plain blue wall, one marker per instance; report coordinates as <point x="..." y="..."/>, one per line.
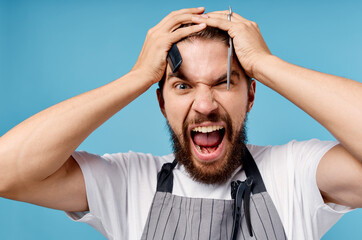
<point x="53" y="50"/>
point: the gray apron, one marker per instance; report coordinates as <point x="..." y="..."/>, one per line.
<point x="250" y="215"/>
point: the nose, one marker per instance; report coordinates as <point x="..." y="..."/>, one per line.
<point x="204" y="102"/>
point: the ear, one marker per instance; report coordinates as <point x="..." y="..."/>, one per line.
<point x="251" y="94"/>
<point x="161" y="102"/>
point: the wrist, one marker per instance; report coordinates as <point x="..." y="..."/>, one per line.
<point x="142" y="77"/>
<point x="261" y="65"/>
<point x="148" y="75"/>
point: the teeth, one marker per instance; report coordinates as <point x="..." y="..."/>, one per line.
<point x="207" y="129"/>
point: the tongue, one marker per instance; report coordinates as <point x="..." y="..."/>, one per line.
<point x="207" y="139"/>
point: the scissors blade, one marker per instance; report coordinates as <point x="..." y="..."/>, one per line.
<point x="230" y="54"/>
<point x="230" y="59"/>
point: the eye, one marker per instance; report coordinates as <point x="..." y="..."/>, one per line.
<point x="221" y="83"/>
<point x="182" y="86"/>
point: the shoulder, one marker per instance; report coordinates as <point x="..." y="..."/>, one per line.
<point x="114" y="159"/>
<point x="118" y="166"/>
<point x="146" y="163"/>
<point x="293" y="150"/>
<point x="295" y="159"/>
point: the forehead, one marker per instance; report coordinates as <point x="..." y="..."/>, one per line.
<point x="202" y="59"/>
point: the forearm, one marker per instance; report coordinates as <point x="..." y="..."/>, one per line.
<point x="333" y="101"/>
<point x="39" y="146"/>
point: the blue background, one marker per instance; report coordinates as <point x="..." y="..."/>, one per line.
<point x="53" y="50"/>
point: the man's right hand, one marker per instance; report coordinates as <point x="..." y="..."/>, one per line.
<point x="152" y="59"/>
<point x="36" y="165"/>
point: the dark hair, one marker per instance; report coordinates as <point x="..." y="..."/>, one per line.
<point x="209" y="33"/>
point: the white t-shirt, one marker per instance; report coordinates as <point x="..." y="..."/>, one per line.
<point x="120" y="189"/>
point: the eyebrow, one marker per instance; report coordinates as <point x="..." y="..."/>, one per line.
<point x="179" y="75"/>
<point x="224" y="76"/>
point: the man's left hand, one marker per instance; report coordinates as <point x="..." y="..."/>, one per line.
<point x="249" y="44"/>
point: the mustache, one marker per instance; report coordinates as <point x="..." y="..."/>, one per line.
<point x="210" y="118"/>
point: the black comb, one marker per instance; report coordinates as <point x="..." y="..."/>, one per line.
<point x="174" y="58"/>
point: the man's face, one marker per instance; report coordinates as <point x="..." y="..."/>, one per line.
<point x="206" y="120"/>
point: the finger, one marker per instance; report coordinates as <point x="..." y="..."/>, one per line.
<point x="182" y="19"/>
<point x="175" y="22"/>
<point x="190" y="10"/>
<point x="221" y="16"/>
<point x="224" y="15"/>
<point x="222" y="11"/>
<point x="198" y="10"/>
<point x="181" y="33"/>
<point x="222" y="24"/>
<point x="234" y="19"/>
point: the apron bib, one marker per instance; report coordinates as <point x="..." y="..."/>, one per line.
<point x="250" y="215"/>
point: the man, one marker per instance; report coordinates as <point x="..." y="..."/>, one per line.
<point x="39" y="165"/>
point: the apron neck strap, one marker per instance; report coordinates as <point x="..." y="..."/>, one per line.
<point x="165" y="177"/>
<point x="252" y="171"/>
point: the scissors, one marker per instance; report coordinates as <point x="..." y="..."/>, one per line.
<point x="230" y="54"/>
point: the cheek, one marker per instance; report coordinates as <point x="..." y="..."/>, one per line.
<point x="176" y="112"/>
<point x="236" y="107"/>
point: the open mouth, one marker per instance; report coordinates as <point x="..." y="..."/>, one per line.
<point x="208" y="140"/>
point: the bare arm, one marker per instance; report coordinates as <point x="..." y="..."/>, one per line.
<point x="336" y="103"/>
<point x="333" y="101"/>
<point x="38" y="147"/>
<point x="35" y="157"/>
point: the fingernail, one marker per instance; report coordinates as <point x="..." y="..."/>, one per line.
<point x="202" y="25"/>
<point x="195" y="18"/>
<point x="200" y="8"/>
<point x="204" y="16"/>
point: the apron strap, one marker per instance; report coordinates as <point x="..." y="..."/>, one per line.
<point x="252" y="171"/>
<point x="240" y="192"/>
<point x="165" y="177"/>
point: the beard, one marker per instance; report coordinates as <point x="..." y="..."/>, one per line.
<point x="216" y="172"/>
